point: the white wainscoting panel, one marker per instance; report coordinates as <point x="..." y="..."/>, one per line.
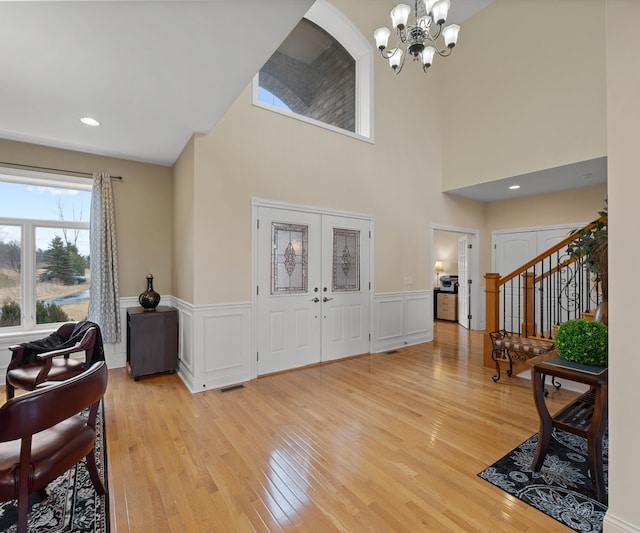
<point x="186" y="342"/>
<point x="402" y="319"/>
<point x="215" y="345"/>
<point x="389" y="318"/>
<point x="215" y="340"/>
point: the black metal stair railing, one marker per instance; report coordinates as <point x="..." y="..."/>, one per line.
<point x="533" y="300"/>
<point x="552" y="290"/>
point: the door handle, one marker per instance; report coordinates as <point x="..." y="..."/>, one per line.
<point x="315" y="300"/>
<point x="325" y="299"/>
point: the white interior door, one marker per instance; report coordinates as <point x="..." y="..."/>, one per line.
<point x="464" y="289"/>
<point x="510" y="251"/>
<point x="313" y="299"/>
<point x="345" y="287"/>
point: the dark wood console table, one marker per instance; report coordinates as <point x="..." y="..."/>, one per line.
<point x="586" y="416"/>
<point x="152" y="340"/>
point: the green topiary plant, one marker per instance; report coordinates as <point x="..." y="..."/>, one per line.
<point x="583" y="342"/>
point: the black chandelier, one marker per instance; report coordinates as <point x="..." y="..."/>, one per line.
<point x="417" y="38"/>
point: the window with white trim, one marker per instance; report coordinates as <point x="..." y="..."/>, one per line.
<point x="44" y="249"/>
<point x="314" y="76"/>
<point x="321" y="74"/>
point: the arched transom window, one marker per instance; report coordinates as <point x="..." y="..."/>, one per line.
<point x="321" y="73"/>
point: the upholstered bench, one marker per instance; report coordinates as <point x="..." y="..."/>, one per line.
<point x="506" y="346"/>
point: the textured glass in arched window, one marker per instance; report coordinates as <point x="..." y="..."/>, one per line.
<point x="313" y="75"/>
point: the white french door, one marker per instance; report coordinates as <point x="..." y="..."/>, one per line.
<point x="313" y="294"/>
<point x="345" y="287"/>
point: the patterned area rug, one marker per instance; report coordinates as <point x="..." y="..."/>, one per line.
<point x="562" y="488"/>
<point x="68" y="504"/>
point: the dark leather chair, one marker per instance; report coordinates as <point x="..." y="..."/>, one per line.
<point x="42" y="435"/>
<point x="48" y="360"/>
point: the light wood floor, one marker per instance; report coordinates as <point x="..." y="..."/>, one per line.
<point x="383" y="443"/>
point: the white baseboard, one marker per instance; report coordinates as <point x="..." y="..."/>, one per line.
<point x="613" y="524"/>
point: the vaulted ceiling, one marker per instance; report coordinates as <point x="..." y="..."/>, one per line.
<point x="153" y="72"/>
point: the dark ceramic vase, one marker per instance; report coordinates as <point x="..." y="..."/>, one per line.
<point x="149" y="299"/>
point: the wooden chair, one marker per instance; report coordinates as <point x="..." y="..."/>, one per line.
<point x="28" y="371"/>
<point x="42" y="435"/>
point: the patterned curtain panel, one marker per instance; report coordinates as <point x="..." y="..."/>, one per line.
<point x="104" y="308"/>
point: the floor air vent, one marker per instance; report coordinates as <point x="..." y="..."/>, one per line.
<point x="233" y="387"/>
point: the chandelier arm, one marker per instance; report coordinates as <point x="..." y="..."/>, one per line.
<point x="438" y="32"/>
<point x="387" y="54"/>
<point x="442" y="52"/>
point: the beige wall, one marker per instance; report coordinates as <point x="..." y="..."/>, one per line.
<point x="525" y="90"/>
<point x="565" y="207"/>
<point x="184" y="223"/>
<point x="143" y="209"/>
<point x="623" y="116"/>
<point x="254" y="152"/>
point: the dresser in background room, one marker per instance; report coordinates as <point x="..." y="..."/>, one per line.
<point x="445" y="305"/>
<point x="152" y="341"/>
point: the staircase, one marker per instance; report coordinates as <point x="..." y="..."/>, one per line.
<point x="533" y="300"/>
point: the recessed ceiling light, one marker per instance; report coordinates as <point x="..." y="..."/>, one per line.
<point x="514" y="186"/>
<point x="90" y="121"/>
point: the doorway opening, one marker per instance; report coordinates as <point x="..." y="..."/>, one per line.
<point x="455" y="259"/>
